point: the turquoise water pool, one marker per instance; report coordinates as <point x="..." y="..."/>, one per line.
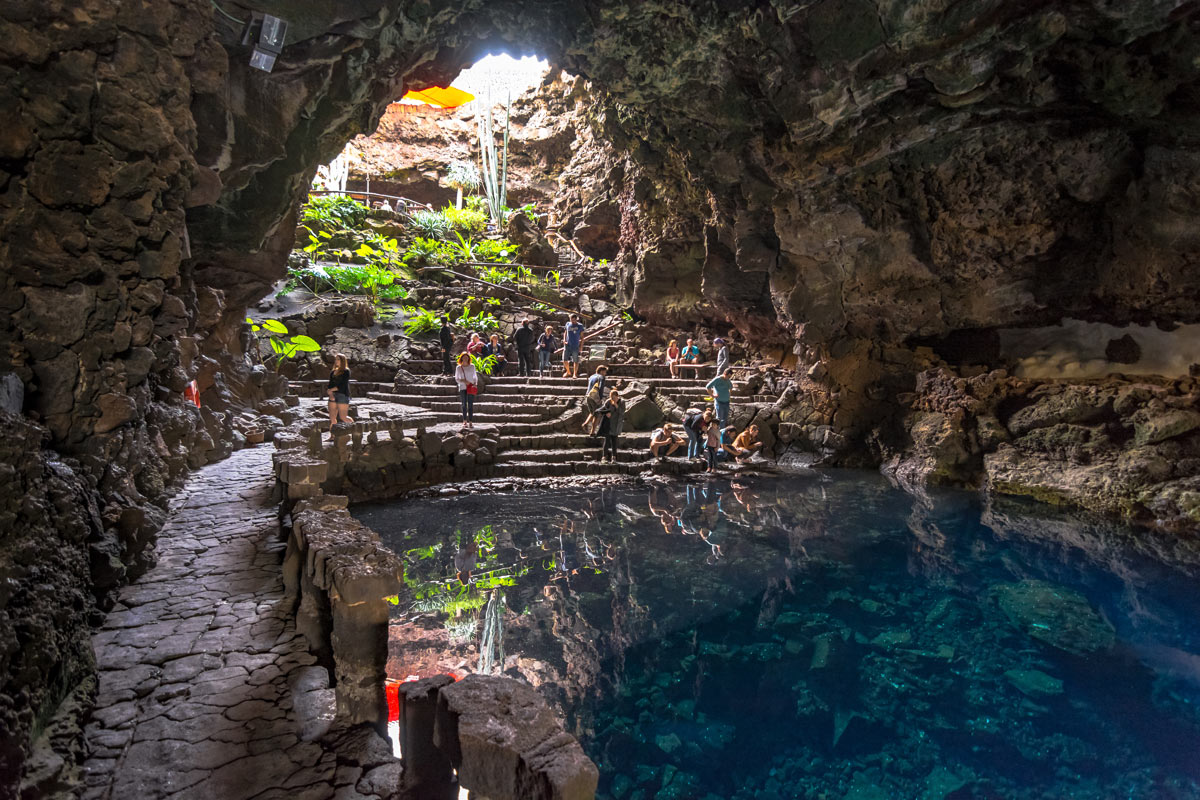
<point x="826" y="636"/>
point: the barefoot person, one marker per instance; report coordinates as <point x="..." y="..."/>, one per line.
<point x="712" y="442"/>
<point x="664" y="442"/>
<point x="339" y="391"/>
<point x="468" y="386"/>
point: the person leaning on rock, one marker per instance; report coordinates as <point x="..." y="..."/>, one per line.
<point x="338" y="389"/>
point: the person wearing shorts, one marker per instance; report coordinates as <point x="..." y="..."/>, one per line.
<point x="573" y="343"/>
<point x="338" y="390"/>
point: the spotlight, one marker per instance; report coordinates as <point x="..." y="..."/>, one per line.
<point x="266" y="33"/>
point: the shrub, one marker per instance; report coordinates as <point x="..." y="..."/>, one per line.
<point x="336" y="210"/>
<point x="481" y="322"/>
<point x="379" y="283"/>
<point x="468" y="220"/>
<point x="495" y="250"/>
<point x="485" y="364"/>
<point x="430" y="224"/>
<point x="420" y="320"/>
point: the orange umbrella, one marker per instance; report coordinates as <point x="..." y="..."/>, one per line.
<point x="439" y="97"/>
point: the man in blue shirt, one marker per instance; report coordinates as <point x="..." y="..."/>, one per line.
<point x="574" y="342"/>
<point x="691" y="353"/>
<point x="721" y="386"/>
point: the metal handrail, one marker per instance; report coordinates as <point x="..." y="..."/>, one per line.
<point x="504" y="289"/>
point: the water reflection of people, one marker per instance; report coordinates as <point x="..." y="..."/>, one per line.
<point x="465" y="559"/>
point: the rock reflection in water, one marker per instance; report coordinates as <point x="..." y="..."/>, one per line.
<point x="824" y="635"/>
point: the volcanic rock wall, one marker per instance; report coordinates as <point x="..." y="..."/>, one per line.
<point x="838" y="176"/>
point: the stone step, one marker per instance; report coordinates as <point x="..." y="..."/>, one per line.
<point x="521" y="421"/>
<point x="537" y="469"/>
<point x="568" y="440"/>
<point x="591" y="454"/>
<point x="532" y="401"/>
<point x="483" y="406"/>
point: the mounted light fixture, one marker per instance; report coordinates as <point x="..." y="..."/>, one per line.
<point x="266" y="33"/>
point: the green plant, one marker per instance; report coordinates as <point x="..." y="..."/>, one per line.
<point x="481" y="322"/>
<point x="494" y="173"/>
<point x="379" y="283"/>
<point x="462" y="175"/>
<point x="496" y="250"/>
<point x="336" y="210"/>
<point x="554" y="276"/>
<point x="463" y="249"/>
<point x="274" y="331"/>
<point x="492" y="301"/>
<point x="430" y="224"/>
<point x="469" y="220"/>
<point x="497" y="275"/>
<point x="420" y="320"/>
<point x="484" y="364"/>
<point x="541" y="307"/>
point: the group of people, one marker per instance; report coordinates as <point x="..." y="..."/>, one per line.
<point x="707" y="440"/>
<point x="690" y="356"/>
<point x="532" y="348"/>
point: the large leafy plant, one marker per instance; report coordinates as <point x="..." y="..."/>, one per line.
<point x="335" y="210"/>
<point x="420" y="320"/>
<point x="275" y="332"/>
<point x="430" y="224"/>
<point x="485" y="364"/>
<point x="481" y="322"/>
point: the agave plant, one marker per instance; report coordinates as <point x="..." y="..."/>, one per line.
<point x="495" y="173"/>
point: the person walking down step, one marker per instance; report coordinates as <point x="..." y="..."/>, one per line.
<point x="468" y="386"/>
<point x="526" y="341"/>
<point x="712" y="443"/>
<point x="546" y="346"/>
<point x="722" y="355"/>
<point x="721" y="386"/>
<point x="573" y="335"/>
<point x="446" y="337"/>
<point x="612" y="418"/>
<point x="339" y="391"/>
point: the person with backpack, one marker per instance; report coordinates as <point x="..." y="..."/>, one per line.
<point x="612" y="418"/>
<point x="525" y="340"/>
<point x="721" y="386"/>
<point x="446" y="337"/>
<point x="573" y="338"/>
<point x="546" y="345"/>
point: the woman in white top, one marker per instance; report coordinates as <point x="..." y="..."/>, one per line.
<point x="468" y="384"/>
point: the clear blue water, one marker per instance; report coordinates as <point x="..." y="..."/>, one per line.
<point x="829" y="636"/>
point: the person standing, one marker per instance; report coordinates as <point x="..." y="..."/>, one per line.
<point x="722" y="355"/>
<point x="338" y="389"/>
<point x="468" y="386"/>
<point x="573" y="335"/>
<point x="721" y="386"/>
<point x="525" y="340"/>
<point x="612" y="418"/>
<point x="446" y="337"/>
<point x="546" y="345"/>
<point x="712" y="442"/>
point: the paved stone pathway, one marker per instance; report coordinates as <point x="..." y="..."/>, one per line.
<point x="206" y="690"/>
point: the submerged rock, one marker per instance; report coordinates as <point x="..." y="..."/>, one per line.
<point x="1034" y="682"/>
<point x="1056" y="615"/>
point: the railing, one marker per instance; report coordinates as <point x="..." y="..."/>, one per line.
<point x="505" y="289"/>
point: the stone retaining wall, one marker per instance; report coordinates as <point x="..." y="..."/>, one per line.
<point x="374" y="459"/>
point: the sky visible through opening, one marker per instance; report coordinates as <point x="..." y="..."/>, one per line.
<point x="503" y="74"/>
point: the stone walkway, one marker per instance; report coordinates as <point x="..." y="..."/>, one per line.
<point x="206" y="690"/>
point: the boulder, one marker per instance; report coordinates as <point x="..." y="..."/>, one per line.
<point x="1056" y="615"/>
<point x="643" y="414"/>
<point x="12" y="393"/>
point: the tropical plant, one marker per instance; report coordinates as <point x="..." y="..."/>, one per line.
<point x="554" y="276"/>
<point x="430" y="224"/>
<point x="492" y="301"/>
<point x="336" y="210"/>
<point x="274" y="331"/>
<point x="496" y="250"/>
<point x="485" y="364"/>
<point x="481" y="322"/>
<point x="420" y="320"/>
<point x="468" y="220"/>
<point x="463" y="249"/>
<point x="494" y="172"/>
<point x="379" y="283"/>
<point x="462" y="175"/>
<point x="497" y="275"/>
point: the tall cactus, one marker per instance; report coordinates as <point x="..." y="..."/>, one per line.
<point x="495" y="175"/>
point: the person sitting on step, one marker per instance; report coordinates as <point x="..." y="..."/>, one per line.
<point x="496" y="348"/>
<point x="745" y="444"/>
<point x="546" y="346"/>
<point x="664" y="442"/>
<point x="612" y="418"/>
<point x="476" y="345"/>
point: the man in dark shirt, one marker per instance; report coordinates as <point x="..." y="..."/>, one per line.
<point x="526" y="341"/>
<point x="446" y="336"/>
